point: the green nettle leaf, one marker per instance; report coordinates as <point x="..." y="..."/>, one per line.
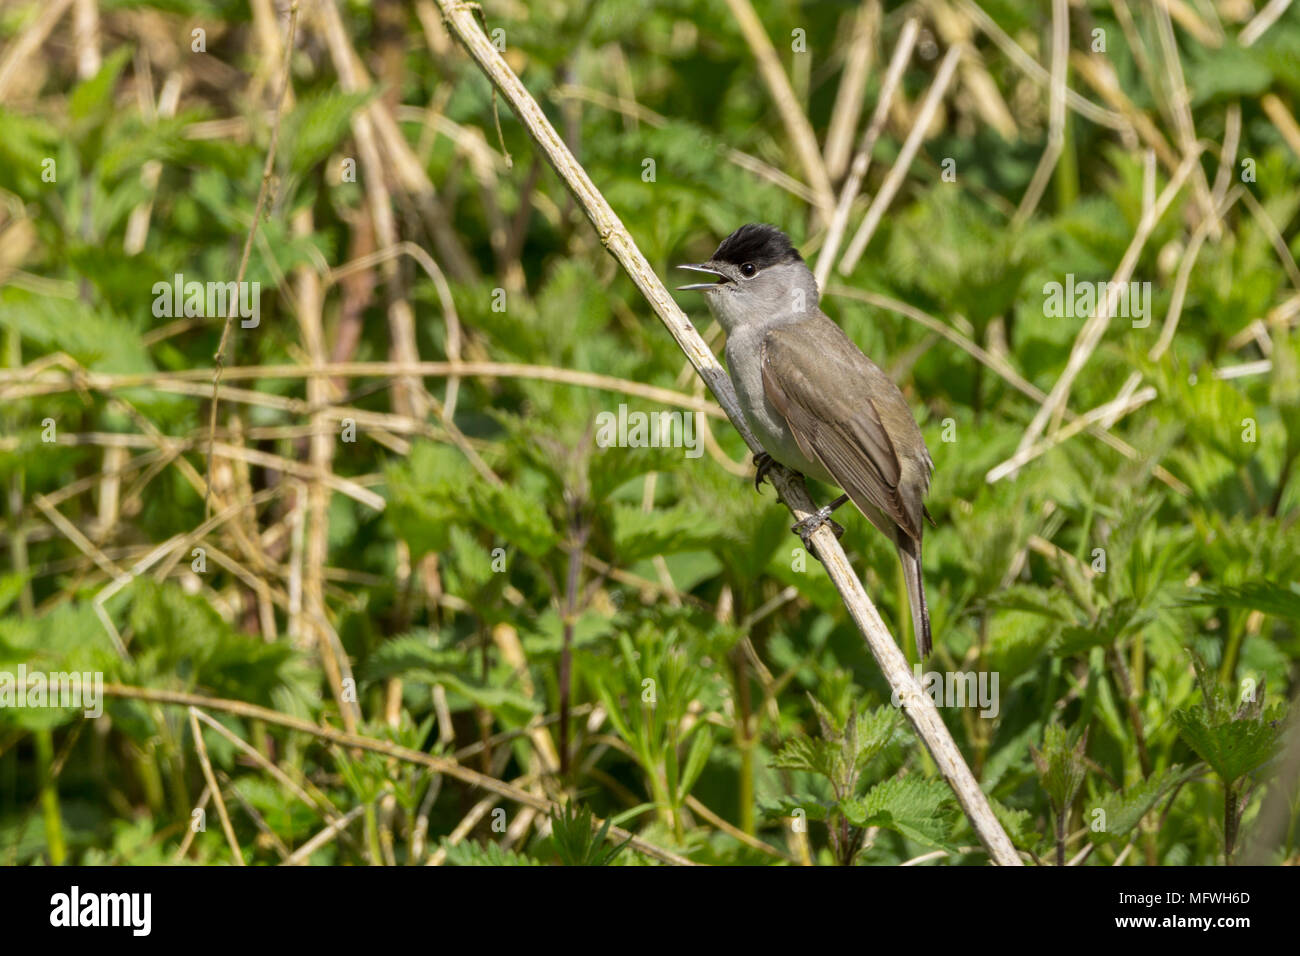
<point x="514" y="515"/>
<point x="1112" y="623"/>
<point x="95" y="338"/>
<point x="949" y="247"/>
<point x="484" y="854"/>
<point x="640" y="534"/>
<point x="472" y="562"/>
<point x="1060" y="767"/>
<point x="425" y="493"/>
<point x="875" y="730"/>
<point x="1232" y="742"/>
<point x="918" y="809"/>
<point x="420" y="650"/>
<point x="1217" y="414"/>
<point x="1118" y="813"/>
<point x="808" y="755"/>
<point x="609" y="469"/>
<point x="1019" y="824"/>
<point x="510" y="706"/>
<point x="1277" y="600"/>
<point x="1232" y="747"/>
<point x="845" y="748"/>
<point x="318" y="124"/>
<point x="1046" y="603"/>
<point x="1228" y="71"/>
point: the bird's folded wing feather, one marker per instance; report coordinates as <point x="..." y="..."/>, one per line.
<point x="839" y="426"/>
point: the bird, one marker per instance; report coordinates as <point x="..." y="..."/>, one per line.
<point x="815" y="402"/>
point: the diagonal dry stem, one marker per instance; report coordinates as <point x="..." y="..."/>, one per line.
<point x="220" y="356"/>
<point x="385" y="748"/>
<point x="852" y="88"/>
<point x="901" y="165"/>
<point x="1034" y="70"/>
<point x="796" y="121"/>
<point x="1095" y="327"/>
<point x="862" y="159"/>
<point x="213" y="788"/>
<point x="1056" y="112"/>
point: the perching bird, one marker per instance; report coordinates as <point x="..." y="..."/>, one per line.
<point x="815" y="402"/>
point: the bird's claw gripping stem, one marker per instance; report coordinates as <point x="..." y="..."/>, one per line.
<point x="809" y="525"/>
<point x="764" y="462"/>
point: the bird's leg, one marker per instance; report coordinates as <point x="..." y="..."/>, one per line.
<point x="764" y="462"/>
<point x="805" y="528"/>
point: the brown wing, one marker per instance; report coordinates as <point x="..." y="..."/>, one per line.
<point x="842" y="427"/>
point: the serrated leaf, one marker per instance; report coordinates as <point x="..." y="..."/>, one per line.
<point x="470" y="853"/>
<point x="1278" y="600"/>
<point x="1113" y="622"/>
<point x="808" y="755"/>
<point x="318" y="124"/>
<point x="642" y="534"/>
<point x="1231" y="747"/>
<point x="793" y="804"/>
<point x="515" y="516"/>
<point x="1060" y="767"/>
<point x="1122" y="811"/>
<point x="912" y="806"/>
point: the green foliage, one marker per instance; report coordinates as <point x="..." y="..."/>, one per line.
<point x="914" y="808"/>
<point x="484" y="854"/>
<point x="1232" y="741"/>
<point x="1123" y="811"/>
<point x="577" y="843"/>
<point x="1060" y="767"/>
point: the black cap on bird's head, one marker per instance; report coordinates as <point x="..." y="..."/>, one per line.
<point x="743" y="254"/>
<point x="759" y="243"/>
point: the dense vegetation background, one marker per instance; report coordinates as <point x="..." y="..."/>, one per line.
<point x="449" y="562"/>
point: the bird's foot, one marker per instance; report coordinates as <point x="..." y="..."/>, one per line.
<point x="809" y="525"/>
<point x="763" y="462"/>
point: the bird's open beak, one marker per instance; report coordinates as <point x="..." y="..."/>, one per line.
<point x="721" y="278"/>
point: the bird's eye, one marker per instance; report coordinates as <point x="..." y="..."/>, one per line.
<point x="748" y="270"/>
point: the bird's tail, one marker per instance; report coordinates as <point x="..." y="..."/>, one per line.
<point x="909" y="552"/>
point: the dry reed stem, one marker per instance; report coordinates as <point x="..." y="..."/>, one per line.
<point x="409" y="396"/>
<point x="1095" y="327"/>
<point x="1109" y="413"/>
<point x="214" y="788"/>
<point x="16" y="380"/>
<point x="269" y="167"/>
<point x="1034" y="70"/>
<point x="852" y="89"/>
<point x="1260" y="23"/>
<point x="797" y="125"/>
<point x="901" y="165"/>
<point x="1181" y="109"/>
<point x="17" y="53"/>
<point x="301" y="855"/>
<point x="385" y="748"/>
<point x="862" y="158"/>
<point x="1056" y="121"/>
